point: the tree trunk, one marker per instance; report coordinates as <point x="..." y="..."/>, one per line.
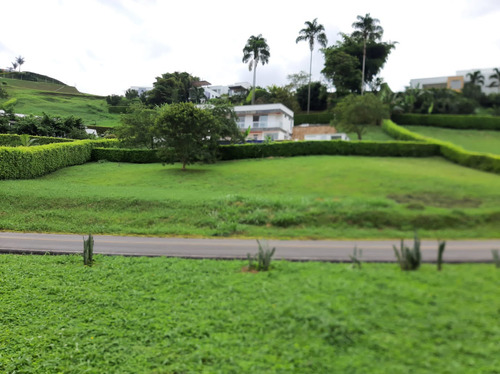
<point x="363" y="70"/>
<point x="309" y="88"/>
<point x="254" y="76"/>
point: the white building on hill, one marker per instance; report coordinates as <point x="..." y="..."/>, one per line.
<point x="274" y="121"/>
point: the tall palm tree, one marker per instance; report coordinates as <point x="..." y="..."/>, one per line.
<point x="255" y="50"/>
<point x="20" y="61"/>
<point x="313" y="32"/>
<point x="367" y="30"/>
<point x="496" y="79"/>
<point x="476" y="78"/>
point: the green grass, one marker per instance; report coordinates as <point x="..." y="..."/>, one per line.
<point x="471" y="140"/>
<point x="315" y="197"/>
<point x="38" y="98"/>
<point x="372" y="133"/>
<point x="161" y="315"/>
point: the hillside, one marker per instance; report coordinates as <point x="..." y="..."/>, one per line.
<point x="38" y="97"/>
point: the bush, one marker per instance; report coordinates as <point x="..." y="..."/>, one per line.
<point x="313" y="118"/>
<point x="449" y="121"/>
<point x="118" y="109"/>
<point x="329" y="147"/>
<point x="13" y="140"/>
<point x="409" y="258"/>
<point x="32" y="162"/>
<point x="480" y="161"/>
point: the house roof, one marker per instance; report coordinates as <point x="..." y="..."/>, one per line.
<point x="263" y="108"/>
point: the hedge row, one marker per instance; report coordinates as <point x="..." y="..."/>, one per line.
<point x="449" y="121"/>
<point x="313" y="118"/>
<point x="329" y="147"/>
<point x="12" y="140"/>
<point x="137" y="156"/>
<point x="32" y="162"/>
<point x="480" y="161"/>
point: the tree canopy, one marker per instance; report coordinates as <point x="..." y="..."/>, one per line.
<point x="171" y="88"/>
<point x="344" y="61"/>
<point x="256" y="50"/>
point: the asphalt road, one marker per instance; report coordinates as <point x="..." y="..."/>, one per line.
<point x="297" y="250"/>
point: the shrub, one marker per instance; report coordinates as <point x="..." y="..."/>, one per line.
<point x="262" y="258"/>
<point x="449" y="121"/>
<point x="118" y="109"/>
<point x="32" y="162"/>
<point x="409" y="259"/>
<point x="329" y="147"/>
<point x="88" y="251"/>
<point x="480" y="161"/>
<point x="313" y="118"/>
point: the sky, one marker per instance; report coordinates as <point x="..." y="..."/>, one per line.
<point x="104" y="47"/>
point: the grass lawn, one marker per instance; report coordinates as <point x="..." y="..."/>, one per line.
<point x="372" y="133"/>
<point x="38" y="98"/>
<point x="316" y="197"/>
<point x="471" y="140"/>
<point x="161" y="315"/>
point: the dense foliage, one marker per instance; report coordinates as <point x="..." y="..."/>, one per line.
<point x="46" y="125"/>
<point x="354" y="113"/>
<point x="449" y="121"/>
<point x="318" y="98"/>
<point x="171" y="88"/>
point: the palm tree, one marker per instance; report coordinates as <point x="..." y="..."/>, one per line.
<point x="14" y="65"/>
<point x="255" y="50"/>
<point x="368" y="30"/>
<point x="496" y="79"/>
<point x="312" y="32"/>
<point x="20" y="61"/>
<point x="476" y="78"/>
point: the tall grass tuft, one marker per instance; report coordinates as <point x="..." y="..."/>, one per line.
<point x="409" y="259"/>
<point x="442" y="245"/>
<point x="496" y="257"/>
<point x="262" y="260"/>
<point x="356" y="258"/>
<point x="88" y="250"/>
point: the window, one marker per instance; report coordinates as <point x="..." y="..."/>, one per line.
<point x="241" y="122"/>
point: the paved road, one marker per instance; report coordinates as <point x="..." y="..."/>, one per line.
<point x="298" y="250"/>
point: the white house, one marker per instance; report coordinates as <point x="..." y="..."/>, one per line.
<point x="457" y="81"/>
<point x="274" y="121"/>
<point x="231" y="90"/>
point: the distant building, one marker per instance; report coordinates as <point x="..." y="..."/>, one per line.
<point x="141" y="90"/>
<point x="212" y="92"/>
<point x="273" y="121"/>
<point x="456" y="82"/>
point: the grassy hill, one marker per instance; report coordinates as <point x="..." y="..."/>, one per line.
<point x="58" y="99"/>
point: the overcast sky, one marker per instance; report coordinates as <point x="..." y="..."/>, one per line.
<point x="105" y="46"/>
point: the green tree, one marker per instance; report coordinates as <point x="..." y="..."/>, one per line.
<point x="114" y="100"/>
<point x="297" y="80"/>
<point x="19" y="61"/>
<point x="186" y="133"/>
<point x="355" y="113"/>
<point x="496" y="79"/>
<point x="137" y="126"/>
<point x="341" y="66"/>
<point x="131" y="94"/>
<point x="476" y="78"/>
<point x="313" y="32"/>
<point x="314" y="96"/>
<point x="256" y="50"/>
<point x="171" y="88"/>
<point x="366" y="30"/>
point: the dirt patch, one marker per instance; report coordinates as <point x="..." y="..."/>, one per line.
<point x="437" y="200"/>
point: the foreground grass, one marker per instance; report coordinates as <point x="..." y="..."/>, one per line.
<point x="302" y="197"/>
<point x="38" y="98"/>
<point x="471" y="140"/>
<point x="161" y="315"/>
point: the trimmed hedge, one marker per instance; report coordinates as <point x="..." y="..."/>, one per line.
<point x="32" y="162"/>
<point x="313" y="119"/>
<point x="12" y="140"/>
<point x="449" y="121"/>
<point x="138" y="156"/>
<point x="329" y="147"/>
<point x="480" y="161"/>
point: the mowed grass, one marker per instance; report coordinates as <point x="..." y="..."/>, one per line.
<point x="166" y="315"/>
<point x="372" y="133"/>
<point x="38" y="98"/>
<point x="471" y="140"/>
<point x="319" y="197"/>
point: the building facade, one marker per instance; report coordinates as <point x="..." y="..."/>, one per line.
<point x="266" y="121"/>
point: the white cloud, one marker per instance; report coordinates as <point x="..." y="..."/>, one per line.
<point x="106" y="46"/>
